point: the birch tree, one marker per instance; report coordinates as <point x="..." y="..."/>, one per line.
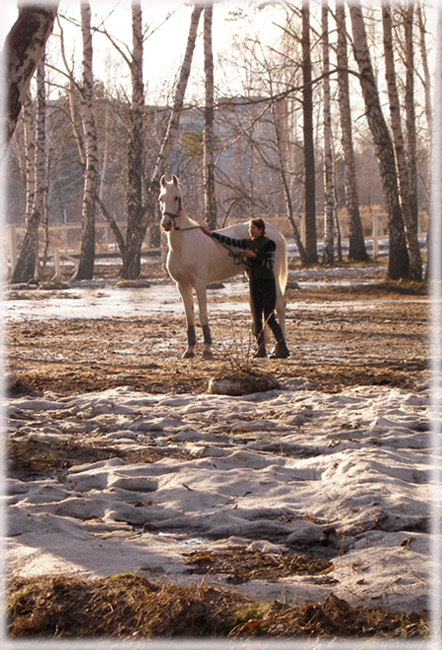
<point x="405" y="189"/>
<point x="309" y="154"/>
<point x="424" y="58"/>
<point x="209" y="136"/>
<point x="131" y="262"/>
<point x="329" y="207"/>
<point x="410" y="120"/>
<point x="25" y="268"/>
<point x="87" y="252"/>
<point x="24" y="48"/>
<point x="398" y="262"/>
<point x="136" y="148"/>
<point x="357" y="250"/>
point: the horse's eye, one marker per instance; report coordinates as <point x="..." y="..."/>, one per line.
<point x="176" y="198"/>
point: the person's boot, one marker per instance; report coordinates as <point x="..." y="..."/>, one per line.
<point x="261" y="347"/>
<point x="260" y="351"/>
<point x="281" y="350"/>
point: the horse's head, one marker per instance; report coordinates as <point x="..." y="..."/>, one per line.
<point x="170" y="202"/>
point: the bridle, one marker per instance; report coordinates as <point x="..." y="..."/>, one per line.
<point x="174" y="215"/>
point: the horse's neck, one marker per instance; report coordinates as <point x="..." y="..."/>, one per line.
<point x="175" y="235"/>
<point x="185" y="221"/>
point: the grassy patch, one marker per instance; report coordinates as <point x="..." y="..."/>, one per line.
<point x="129" y="606"/>
<point x="242" y="565"/>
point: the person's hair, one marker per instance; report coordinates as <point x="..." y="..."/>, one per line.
<point x="259" y="223"/>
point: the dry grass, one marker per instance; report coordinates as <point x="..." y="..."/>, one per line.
<point x="242" y="565"/>
<point x="129" y="606"/>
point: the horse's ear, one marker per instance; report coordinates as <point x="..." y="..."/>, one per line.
<point x="175" y="179"/>
<point x="163" y="181"/>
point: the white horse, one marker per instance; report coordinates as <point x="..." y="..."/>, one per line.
<point x="195" y="260"/>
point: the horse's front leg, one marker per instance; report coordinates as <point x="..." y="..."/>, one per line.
<point x="187" y="298"/>
<point x="201" y="294"/>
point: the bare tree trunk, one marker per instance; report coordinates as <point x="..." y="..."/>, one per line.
<point x="28" y="257"/>
<point x="434" y="263"/>
<point x="309" y="156"/>
<point x="87" y="254"/>
<point x="209" y="136"/>
<point x="24" y="48"/>
<point x="285" y="183"/>
<point x="131" y="263"/>
<point x="29" y="142"/>
<point x="415" y="270"/>
<point x="136" y="148"/>
<point x="425" y="67"/>
<point x="410" y="120"/>
<point x="398" y="256"/>
<point x="357" y="250"/>
<point x="328" y="256"/>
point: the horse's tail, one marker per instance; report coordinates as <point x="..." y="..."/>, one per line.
<point x="283" y="271"/>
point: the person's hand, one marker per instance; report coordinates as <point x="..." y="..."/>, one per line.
<point x="206" y="231"/>
<point x="250" y="253"/>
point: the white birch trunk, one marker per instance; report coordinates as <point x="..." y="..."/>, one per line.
<point x="357" y="250"/>
<point x="401" y="159"/>
<point x="27" y="262"/>
<point x="209" y="136"/>
<point x="398" y="262"/>
<point x="87" y="254"/>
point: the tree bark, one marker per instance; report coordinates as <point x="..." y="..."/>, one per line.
<point x="24" y="48"/>
<point x="357" y="250"/>
<point x="410" y="120"/>
<point x="424" y="59"/>
<point x="131" y="263"/>
<point x="209" y="136"/>
<point x="136" y="148"/>
<point x="328" y="256"/>
<point x="415" y="270"/>
<point x="398" y="261"/>
<point x="87" y="253"/>
<point x="309" y="156"/>
<point x="25" y="269"/>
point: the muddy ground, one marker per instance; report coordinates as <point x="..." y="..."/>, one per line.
<point x="338" y="336"/>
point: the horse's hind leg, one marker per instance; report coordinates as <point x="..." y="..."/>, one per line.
<point x="187" y="298"/>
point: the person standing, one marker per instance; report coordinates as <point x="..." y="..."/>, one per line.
<point x="260" y="253"/>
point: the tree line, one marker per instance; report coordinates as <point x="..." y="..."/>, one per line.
<point x="290" y="136"/>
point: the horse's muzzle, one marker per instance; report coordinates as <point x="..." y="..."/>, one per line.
<point x="166" y="223"/>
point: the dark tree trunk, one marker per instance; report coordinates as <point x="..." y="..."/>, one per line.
<point x="87" y="253"/>
<point x="408" y="205"/>
<point x="24" y="48"/>
<point x="309" y="156"/>
<point x="357" y="250"/>
<point x="136" y="148"/>
<point x="410" y="118"/>
<point x="131" y="262"/>
<point x="398" y="262"/>
<point x="329" y="244"/>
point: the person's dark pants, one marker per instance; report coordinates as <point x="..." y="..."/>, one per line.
<point x="263" y="301"/>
